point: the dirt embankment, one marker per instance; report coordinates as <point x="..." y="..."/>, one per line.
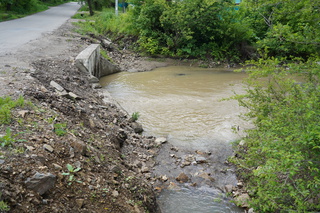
<point x="70" y="154"/>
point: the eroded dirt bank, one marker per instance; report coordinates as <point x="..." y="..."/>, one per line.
<point x="110" y="161"/>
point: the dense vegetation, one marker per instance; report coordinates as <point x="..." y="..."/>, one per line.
<point x="11" y="9"/>
<point x="218" y="30"/>
<point x="279" y="159"/>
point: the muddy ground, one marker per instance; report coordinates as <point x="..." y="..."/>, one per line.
<point x="111" y="163"/>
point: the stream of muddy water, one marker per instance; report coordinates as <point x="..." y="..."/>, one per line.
<point x="184" y="105"/>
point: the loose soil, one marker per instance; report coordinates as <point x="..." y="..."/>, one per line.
<point x="85" y="132"/>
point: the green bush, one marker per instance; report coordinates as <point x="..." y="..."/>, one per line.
<point x="280" y="159"/>
<point x="284" y="28"/>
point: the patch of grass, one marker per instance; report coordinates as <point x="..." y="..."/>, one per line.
<point x="105" y="55"/>
<point x="135" y="116"/>
<point x="60" y="129"/>
<point x="9" y="139"/>
<point x="6" y="105"/>
<point x="4" y="207"/>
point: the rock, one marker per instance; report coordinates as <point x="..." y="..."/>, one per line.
<point x="96" y="86"/>
<point x="174" y="149"/>
<point x="48" y="148"/>
<point x="1" y="161"/>
<point x="23" y="113"/>
<point x="185" y="163"/>
<point x="228" y="188"/>
<point x="92" y="79"/>
<point x="57" y="166"/>
<point x="206" y="176"/>
<point x="160" y="140"/>
<point x="71" y="95"/>
<point x="144" y="169"/>
<point x="80" y="203"/>
<point x="56" y="86"/>
<point x="115" y="193"/>
<point x="71" y="152"/>
<point x="251" y="210"/>
<point x="29" y="148"/>
<point x="41" y="183"/>
<point x="164" y="178"/>
<point x="79" y="147"/>
<point x="183" y="178"/>
<point x="242" y="200"/>
<point x="137" y="128"/>
<point x="200" y="160"/>
<point x="240" y="185"/>
<point x="173" y="186"/>
<point x="92" y="124"/>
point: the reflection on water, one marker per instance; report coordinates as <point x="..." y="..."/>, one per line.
<point x="183" y="104"/>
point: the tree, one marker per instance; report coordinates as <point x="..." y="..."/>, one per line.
<point x="286" y="27"/>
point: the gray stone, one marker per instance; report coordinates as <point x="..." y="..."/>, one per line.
<point x="96" y="86"/>
<point x="48" y="148"/>
<point x="56" y="86"/>
<point x="137" y="128"/>
<point x="160" y="140"/>
<point x="200" y="160"/>
<point x="1" y="161"/>
<point x="57" y="166"/>
<point x="92" y="79"/>
<point x="71" y="95"/>
<point x="41" y="183"/>
<point x="115" y="193"/>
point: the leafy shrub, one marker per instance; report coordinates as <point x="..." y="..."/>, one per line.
<point x="280" y="160"/>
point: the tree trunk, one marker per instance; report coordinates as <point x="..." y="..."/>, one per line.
<point x="90" y="7"/>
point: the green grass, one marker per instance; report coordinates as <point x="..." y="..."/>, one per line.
<point x="6" y="105"/>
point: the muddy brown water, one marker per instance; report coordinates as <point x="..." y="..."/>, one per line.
<point x="184" y="104"/>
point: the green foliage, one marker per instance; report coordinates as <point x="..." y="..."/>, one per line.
<point x="71" y="173"/>
<point x="9" y="139"/>
<point x="284" y="28"/>
<point x="135" y="116"/>
<point x="4" y="207"/>
<point x="6" y="105"/>
<point x="12" y="9"/>
<point x="60" y="129"/>
<point x="280" y="159"/>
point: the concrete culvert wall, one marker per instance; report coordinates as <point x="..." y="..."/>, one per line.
<point x="90" y="61"/>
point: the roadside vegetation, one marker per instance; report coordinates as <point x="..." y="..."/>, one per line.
<point x="13" y="9"/>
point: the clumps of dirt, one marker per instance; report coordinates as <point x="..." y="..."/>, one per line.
<point x="74" y="154"/>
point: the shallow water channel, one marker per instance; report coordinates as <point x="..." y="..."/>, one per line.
<point x="183" y="104"/>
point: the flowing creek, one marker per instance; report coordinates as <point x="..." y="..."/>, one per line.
<point x="183" y="104"/>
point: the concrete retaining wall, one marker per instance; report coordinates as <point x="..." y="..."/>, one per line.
<point x="90" y="61"/>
